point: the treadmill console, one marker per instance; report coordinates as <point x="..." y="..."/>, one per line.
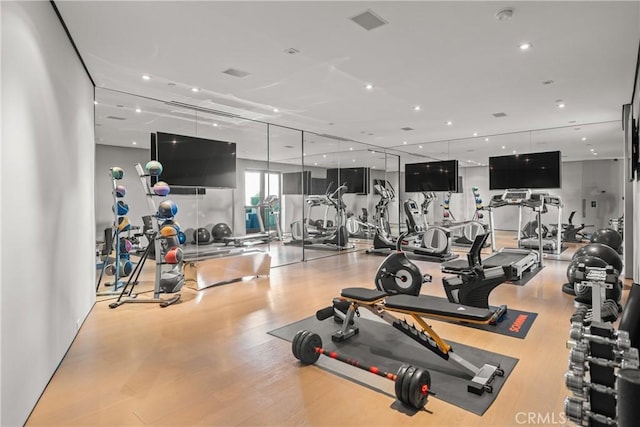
<point x="516" y="197"/>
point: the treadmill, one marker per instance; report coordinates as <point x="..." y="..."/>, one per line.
<point x="538" y="202"/>
<point x="515" y="262"/>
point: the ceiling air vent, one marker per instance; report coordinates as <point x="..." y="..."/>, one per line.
<point x="116" y="118"/>
<point x="337" y="138"/>
<point x="235" y="72"/>
<point x="369" y="20"/>
<point x="407" y="128"/>
<point x="497" y="115"/>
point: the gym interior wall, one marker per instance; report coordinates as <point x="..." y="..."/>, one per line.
<point x="47" y="172"/>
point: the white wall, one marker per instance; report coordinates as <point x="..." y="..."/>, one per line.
<point x="47" y="180"/>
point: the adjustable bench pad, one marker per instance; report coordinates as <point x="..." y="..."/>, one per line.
<point x="428" y="305"/>
<point x="363" y="294"/>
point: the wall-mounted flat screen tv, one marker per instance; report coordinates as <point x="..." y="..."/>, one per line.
<point x="356" y="179"/>
<point x="194" y="162"/>
<point x="319" y="186"/>
<point x="296" y="182"/>
<point x="528" y="170"/>
<point x="431" y="176"/>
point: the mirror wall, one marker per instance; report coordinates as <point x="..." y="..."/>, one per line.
<point x="592" y="177"/>
<point x="284" y="200"/>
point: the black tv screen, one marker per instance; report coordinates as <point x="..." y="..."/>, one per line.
<point x="296" y="182"/>
<point x="356" y="179"/>
<point x="431" y="176"/>
<point x="319" y="186"/>
<point x="529" y="170"/>
<point x="194" y="162"/>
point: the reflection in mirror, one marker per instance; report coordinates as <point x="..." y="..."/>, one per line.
<point x="285" y="168"/>
<point x="591" y="181"/>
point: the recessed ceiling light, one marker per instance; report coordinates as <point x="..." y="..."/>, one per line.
<point x="275" y="110"/>
<point x="449" y="123"/>
<point x="404" y="142"/>
<point x="195" y="89"/>
<point x="353" y="160"/>
<point x="95" y="102"/>
<point x="315" y="164"/>
<point x="419" y="146"/>
<point x="138" y="110"/>
<point x="514" y="151"/>
<point x="584" y="138"/>
<point x="324" y="156"/>
<point x="417" y="108"/>
<point x="561" y="105"/>
<point x="304" y="154"/>
<point x="595" y="154"/>
<point x="504" y="14"/>
<point x="504" y="147"/>
<point x="475" y="134"/>
<point x="215" y="125"/>
<point x="350" y="148"/>
<point x="525" y="46"/>
<point x="592" y="150"/>
<point x="174" y="141"/>
<point x="486" y="140"/>
<point x="373" y="167"/>
<point x="368" y="86"/>
<point x="134" y="143"/>
<point x="146" y="77"/>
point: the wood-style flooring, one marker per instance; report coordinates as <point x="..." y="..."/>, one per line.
<point x="209" y="360"/>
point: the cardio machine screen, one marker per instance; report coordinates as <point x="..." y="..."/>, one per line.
<point x="529" y="170"/>
<point x="431" y="176"/>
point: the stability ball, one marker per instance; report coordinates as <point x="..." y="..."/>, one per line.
<point x="121" y="208"/>
<point x="201" y="235"/>
<point x="125" y="246"/>
<point x="123" y="224"/>
<point x="182" y="238"/>
<point x="607" y="236"/>
<point x="168" y="231"/>
<point x="602" y="251"/>
<point x="220" y="231"/>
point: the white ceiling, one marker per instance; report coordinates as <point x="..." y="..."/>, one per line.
<point x="454" y="59"/>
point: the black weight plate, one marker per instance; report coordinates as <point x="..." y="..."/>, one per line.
<point x="399" y="379"/>
<point x="416" y="397"/>
<point x="308" y="346"/>
<point x="406" y="383"/>
<point x="295" y="344"/>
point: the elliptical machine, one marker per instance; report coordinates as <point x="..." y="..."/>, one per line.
<point x="338" y="238"/>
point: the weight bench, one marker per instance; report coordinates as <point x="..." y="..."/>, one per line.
<point x="380" y="304"/>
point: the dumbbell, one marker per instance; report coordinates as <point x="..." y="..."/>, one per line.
<point x="578" y="357"/>
<point x="621" y="340"/>
<point x="577" y="384"/>
<point x="578" y="411"/>
<point x="584" y="314"/>
<point x="412" y="385"/>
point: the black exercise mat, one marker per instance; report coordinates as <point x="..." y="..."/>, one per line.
<point x="380" y="344"/>
<point x="515" y="323"/>
<point x="526" y="276"/>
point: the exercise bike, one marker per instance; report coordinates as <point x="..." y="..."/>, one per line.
<point x="470" y="287"/>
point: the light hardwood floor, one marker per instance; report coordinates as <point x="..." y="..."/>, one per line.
<point x="209" y="360"/>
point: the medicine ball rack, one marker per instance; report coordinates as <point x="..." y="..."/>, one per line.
<point x="158" y="254"/>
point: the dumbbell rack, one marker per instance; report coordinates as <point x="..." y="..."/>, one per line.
<point x="115" y="241"/>
<point x="144" y="180"/>
<point x="598" y="351"/>
<point x="599" y="280"/>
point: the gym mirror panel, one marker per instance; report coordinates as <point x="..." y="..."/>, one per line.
<point x="285" y="181"/>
